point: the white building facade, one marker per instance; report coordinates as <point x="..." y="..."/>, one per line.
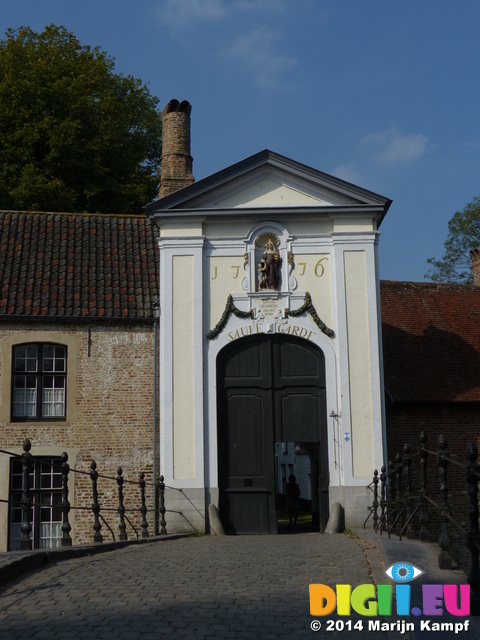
<point x="245" y="363"/>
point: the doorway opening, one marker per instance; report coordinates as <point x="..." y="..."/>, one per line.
<point x="271" y="391"/>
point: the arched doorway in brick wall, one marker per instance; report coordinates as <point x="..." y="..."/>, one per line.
<point x="269" y="389"/>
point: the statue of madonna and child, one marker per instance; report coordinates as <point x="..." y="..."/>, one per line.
<point x="269" y="268"/>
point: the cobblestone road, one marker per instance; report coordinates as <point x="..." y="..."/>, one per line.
<point x="204" y="587"/>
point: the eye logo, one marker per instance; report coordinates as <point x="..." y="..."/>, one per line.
<point x="403" y="572"/>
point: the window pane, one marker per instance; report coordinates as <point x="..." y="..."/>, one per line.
<point x="53" y="401"/>
<point x="20" y="360"/>
<point x="48" y="351"/>
<point x="45" y="483"/>
<point x="47" y="382"/>
<point x="24" y="396"/>
<point x="54" y="358"/>
<point x="45" y="514"/>
<point x="26" y="357"/>
<point x="59" y="365"/>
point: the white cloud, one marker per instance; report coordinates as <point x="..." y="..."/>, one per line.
<point x="397" y="147"/>
<point x="348" y="172"/>
<point x="473" y="144"/>
<point x="260" y="5"/>
<point x="176" y="13"/>
<point x="256" y="50"/>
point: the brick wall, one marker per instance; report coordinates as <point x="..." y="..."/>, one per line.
<point x="112" y="419"/>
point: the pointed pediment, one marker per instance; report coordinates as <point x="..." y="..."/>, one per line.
<point x="265" y="181"/>
<point x="268" y="192"/>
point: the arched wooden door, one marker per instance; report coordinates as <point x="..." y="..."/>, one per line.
<point x="270" y="389"/>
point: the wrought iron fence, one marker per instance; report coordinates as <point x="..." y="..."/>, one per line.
<point x="28" y="498"/>
<point x="397" y="509"/>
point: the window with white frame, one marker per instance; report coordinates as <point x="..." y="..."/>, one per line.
<point x="39" y="382"/>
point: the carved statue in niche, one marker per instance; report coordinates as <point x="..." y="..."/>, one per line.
<point x="268" y="261"/>
<point x="262" y="280"/>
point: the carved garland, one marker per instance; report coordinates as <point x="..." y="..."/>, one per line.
<point x="310" y="309"/>
<point x="307" y="306"/>
<point x="229" y="308"/>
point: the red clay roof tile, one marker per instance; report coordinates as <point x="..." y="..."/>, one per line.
<point x="53" y="250"/>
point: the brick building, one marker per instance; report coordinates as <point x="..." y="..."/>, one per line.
<point x="76" y="357"/>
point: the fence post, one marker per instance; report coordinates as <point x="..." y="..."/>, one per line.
<point x="375" y="500"/>
<point x="163" y="524"/>
<point x="143" y="508"/>
<point x="407" y="461"/>
<point x="423" y="518"/>
<point x="383" y="502"/>
<point x="26" y="500"/>
<point x="121" y="507"/>
<point x="390" y="494"/>
<point x="66" y="528"/>
<point x="95" y="506"/>
<point x="444" y="559"/>
<point x="473" y="536"/>
<point x="398" y="494"/>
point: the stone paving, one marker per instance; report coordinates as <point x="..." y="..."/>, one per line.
<point x="250" y="587"/>
<point x="202" y="587"/>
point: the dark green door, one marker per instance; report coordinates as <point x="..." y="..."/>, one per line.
<point x="270" y="389"/>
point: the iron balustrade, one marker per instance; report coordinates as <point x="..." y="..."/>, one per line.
<point x="29" y="500"/>
<point x="399" y="505"/>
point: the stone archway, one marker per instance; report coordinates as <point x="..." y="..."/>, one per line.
<point x="269" y="389"/>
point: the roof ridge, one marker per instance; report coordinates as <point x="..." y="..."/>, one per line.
<point x="74" y="213"/>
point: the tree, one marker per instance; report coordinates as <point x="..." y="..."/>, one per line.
<point x="463" y="235"/>
<point x="74" y="135"/>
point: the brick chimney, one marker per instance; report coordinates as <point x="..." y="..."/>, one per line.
<point x="176" y="169"/>
<point x="475" y="258"/>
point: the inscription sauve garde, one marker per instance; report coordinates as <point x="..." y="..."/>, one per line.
<point x="251" y="329"/>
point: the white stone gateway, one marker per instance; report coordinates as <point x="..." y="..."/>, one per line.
<point x="269" y="327"/>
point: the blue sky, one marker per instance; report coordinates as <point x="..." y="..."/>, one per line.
<point x="383" y="94"/>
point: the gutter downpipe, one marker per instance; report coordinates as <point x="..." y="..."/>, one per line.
<point x="156" y="306"/>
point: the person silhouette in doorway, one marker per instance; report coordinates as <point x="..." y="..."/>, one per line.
<point x="292" y="491"/>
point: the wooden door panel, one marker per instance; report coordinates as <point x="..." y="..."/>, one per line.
<point x="248" y="365"/>
<point x="247" y="513"/>
<point x="295" y="363"/>
<point x="246" y="415"/>
<point x="299" y="414"/>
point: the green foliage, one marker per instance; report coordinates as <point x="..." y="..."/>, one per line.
<point x="463" y="235"/>
<point x="74" y="135"/>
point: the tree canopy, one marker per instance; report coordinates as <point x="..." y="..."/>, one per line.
<point x="74" y="135"/>
<point x="463" y="235"/>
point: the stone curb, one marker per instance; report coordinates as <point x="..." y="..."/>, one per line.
<point x="15" y="563"/>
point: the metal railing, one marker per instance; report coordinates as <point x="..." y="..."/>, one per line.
<point x="397" y="509"/>
<point x="28" y="498"/>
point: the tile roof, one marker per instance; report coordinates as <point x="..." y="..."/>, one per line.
<point x="431" y="341"/>
<point x="77" y="265"/>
